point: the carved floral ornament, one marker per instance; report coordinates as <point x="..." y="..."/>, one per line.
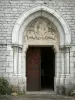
<point x="41" y="29"/>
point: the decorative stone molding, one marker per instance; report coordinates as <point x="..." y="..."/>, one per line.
<point x="51" y="14"/>
<point x="17" y="45"/>
<point x="62" y="47"/>
<point x="41" y="29"/>
<point x="23" y="37"/>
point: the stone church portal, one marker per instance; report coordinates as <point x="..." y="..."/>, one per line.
<point x="41" y="50"/>
<point x="37" y="44"/>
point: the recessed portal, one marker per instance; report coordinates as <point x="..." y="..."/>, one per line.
<point x="47" y="68"/>
<point x="40" y="62"/>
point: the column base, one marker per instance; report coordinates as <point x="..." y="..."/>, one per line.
<point x="63" y="75"/>
<point x="17" y="75"/>
<point x="19" y="82"/>
<point x="67" y="75"/>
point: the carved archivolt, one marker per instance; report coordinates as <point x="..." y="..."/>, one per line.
<point x="41" y="29"/>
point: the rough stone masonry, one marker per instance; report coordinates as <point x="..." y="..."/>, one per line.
<point x="15" y="18"/>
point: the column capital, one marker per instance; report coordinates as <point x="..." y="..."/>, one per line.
<point x="65" y="46"/>
<point x="25" y="47"/>
<point x="17" y="46"/>
<point x="63" y="75"/>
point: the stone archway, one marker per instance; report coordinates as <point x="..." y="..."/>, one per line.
<point x="44" y="11"/>
<point x="40" y="33"/>
<point x="20" y="45"/>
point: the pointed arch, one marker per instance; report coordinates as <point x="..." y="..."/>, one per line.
<point x="51" y="14"/>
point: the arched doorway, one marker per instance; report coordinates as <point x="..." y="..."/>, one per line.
<point x="40" y="59"/>
<point x="23" y="37"/>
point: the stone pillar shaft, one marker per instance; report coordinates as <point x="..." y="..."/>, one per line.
<point x="19" y="61"/>
<point x="15" y="52"/>
<point x="62" y="63"/>
<point x="67" y="61"/>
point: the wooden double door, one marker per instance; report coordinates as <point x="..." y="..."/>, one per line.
<point x="34" y="66"/>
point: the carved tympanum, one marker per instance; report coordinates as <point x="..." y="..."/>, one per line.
<point x="41" y="29"/>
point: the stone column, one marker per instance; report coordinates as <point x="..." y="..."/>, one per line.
<point x="25" y="51"/>
<point x="24" y="60"/>
<point x="62" y="63"/>
<point x="24" y="64"/>
<point x="19" y="60"/>
<point x="15" y="57"/>
<point x="17" y="51"/>
<point x="67" y="61"/>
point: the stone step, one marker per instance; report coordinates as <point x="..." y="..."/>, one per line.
<point x="35" y="97"/>
<point x="47" y="95"/>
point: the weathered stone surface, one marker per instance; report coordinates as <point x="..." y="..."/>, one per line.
<point x="36" y="97"/>
<point x="10" y="10"/>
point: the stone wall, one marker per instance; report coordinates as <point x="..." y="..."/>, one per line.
<point x="10" y="10"/>
<point x="6" y="60"/>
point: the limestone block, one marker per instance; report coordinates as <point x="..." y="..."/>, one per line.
<point x="15" y="83"/>
<point x="10" y="64"/>
<point x="9" y="47"/>
<point x="10" y="75"/>
<point x="5" y="74"/>
<point x="8" y="69"/>
<point x="9" y="58"/>
<point x="2" y="71"/>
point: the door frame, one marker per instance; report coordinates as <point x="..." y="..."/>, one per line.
<point x="19" y="43"/>
<point x="55" y="49"/>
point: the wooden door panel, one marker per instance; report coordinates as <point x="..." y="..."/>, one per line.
<point x="33" y="69"/>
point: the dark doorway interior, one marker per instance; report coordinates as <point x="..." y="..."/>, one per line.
<point x="47" y="68"/>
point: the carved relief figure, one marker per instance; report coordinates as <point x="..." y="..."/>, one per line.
<point x="41" y="30"/>
<point x="30" y="35"/>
